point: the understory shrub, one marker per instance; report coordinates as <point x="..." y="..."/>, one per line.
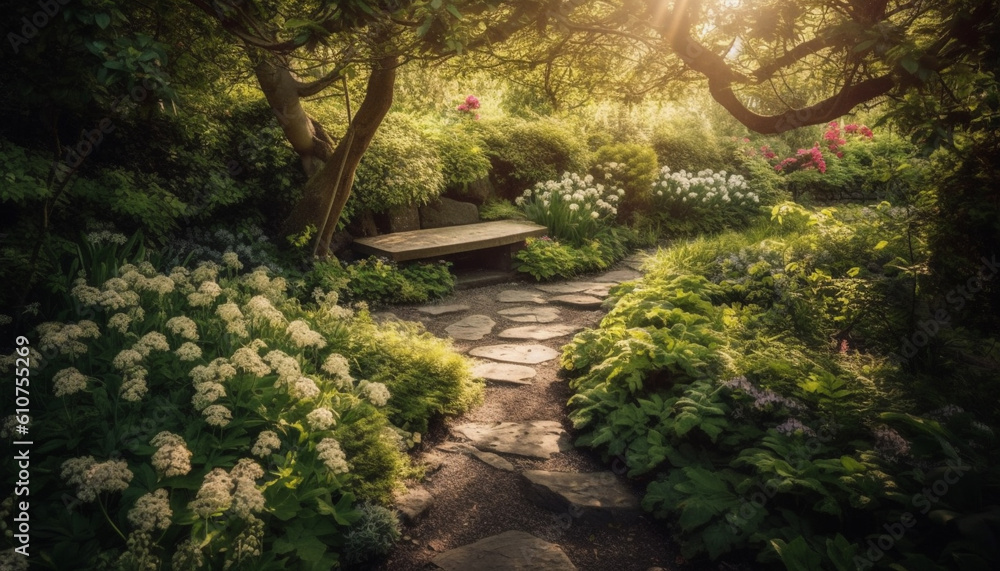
<point x="523" y="153"/>
<point x="203" y="419"/>
<point x="400" y="168"/>
<point x="687" y="142"/>
<point x="379" y="281"/>
<point x="500" y="210"/>
<point x="631" y="167"/>
<point x="545" y="259"/>
<point x="748" y="380"/>
<point x="463" y="156"/>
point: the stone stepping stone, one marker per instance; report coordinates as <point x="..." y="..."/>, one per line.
<point x="443" y="309"/>
<point x="535" y="439"/>
<point x="618" y="276"/>
<point x="509" y="551"/>
<point x="472" y="328"/>
<point x="538" y="332"/>
<point x="635" y="261"/>
<point x="520" y="296"/>
<point x="568" y="287"/>
<point x="512" y="353"/>
<point x="527" y="314"/>
<point x="414" y="504"/>
<point x="489" y="458"/>
<point x="601" y="290"/>
<point x="504" y="373"/>
<point x="579" y="301"/>
<point x="595" y="497"/>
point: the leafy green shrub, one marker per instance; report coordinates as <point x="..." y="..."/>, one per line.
<point x="373" y="535"/>
<point x="687" y="142"/>
<point x="463" y="156"/>
<point x="631" y="167"/>
<point x="757" y="429"/>
<point x="382" y="282"/>
<point x="425" y="377"/>
<point x="500" y="210"/>
<point x="524" y="153"/>
<point x="544" y="258"/>
<point x="204" y="416"/>
<point x="400" y="168"/>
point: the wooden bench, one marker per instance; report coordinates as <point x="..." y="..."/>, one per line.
<point x="495" y="240"/>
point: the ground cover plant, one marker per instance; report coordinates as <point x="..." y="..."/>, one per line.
<point x="753" y="382"/>
<point x="200" y="418"/>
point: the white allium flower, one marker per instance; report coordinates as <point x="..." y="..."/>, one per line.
<point x="206" y="294"/>
<point x="206" y="271"/>
<point x="286" y="367"/>
<point x="330" y="453"/>
<point x="215" y="495"/>
<point x="303" y="336"/>
<point x="152" y="341"/>
<point x="248" y="361"/>
<point x="267" y="443"/>
<point x="184" y="327"/>
<point x="188" y="351"/>
<point x="69" y="381"/>
<point x="262" y="311"/>
<point x="172" y="457"/>
<point x="594" y="215"/>
<point x="206" y="394"/>
<point x="93" y="478"/>
<point x="337" y="366"/>
<point x="127" y="359"/>
<point x="151" y="511"/>
<point x="376" y="393"/>
<point x="303" y="388"/>
<point x="120" y="322"/>
<point x="321" y="419"/>
<point x="232" y="261"/>
<point x="134" y="385"/>
<point x="217" y="415"/>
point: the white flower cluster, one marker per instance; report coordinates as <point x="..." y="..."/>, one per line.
<point x="206" y="294"/>
<point x="92" y="478"/>
<point x="376" y="393"/>
<point x="232" y="261"/>
<point x="183" y="326"/>
<point x="236" y="489"/>
<point x="321" y="419"/>
<point x="259" y="281"/>
<point x="330" y="453"/>
<point x="704" y="188"/>
<point x="66" y="338"/>
<point x="151" y="511"/>
<point x="172" y="457"/>
<point x="69" y="381"/>
<point x="104" y="236"/>
<point x="247" y="360"/>
<point x="579" y="195"/>
<point x="287" y="367"/>
<point x="235" y="323"/>
<point x="263" y="312"/>
<point x="336" y="366"/>
<point x="303" y="337"/>
<point x="267" y="443"/>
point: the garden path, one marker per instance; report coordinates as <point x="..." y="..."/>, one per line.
<point x="505" y="487"/>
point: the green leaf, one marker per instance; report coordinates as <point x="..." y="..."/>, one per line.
<point x="863" y="46"/>
<point x="853" y="271"/>
<point x="909" y="64"/>
<point x="436" y="4"/>
<point x="881" y="245"/>
<point x="454" y="11"/>
<point x="102" y="20"/>
<point x="797" y="555"/>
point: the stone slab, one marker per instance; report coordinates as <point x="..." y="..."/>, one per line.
<point x="504" y="373"/>
<point x="567" y="287"/>
<point x="594" y="497"/>
<point x="472" y="328"/>
<point x="531" y="314"/>
<point x="513" y="353"/>
<point x="418" y="244"/>
<point x="520" y="296"/>
<point x="538" y="332"/>
<point x="600" y="291"/>
<point x="508" y="551"/>
<point x="579" y="301"/>
<point x="618" y="276"/>
<point x="443" y="309"/>
<point x="535" y="439"/>
<point x="489" y="458"/>
<point x="414" y="504"/>
<point x="444" y="212"/>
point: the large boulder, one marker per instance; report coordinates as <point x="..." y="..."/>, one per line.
<point x="404" y="219"/>
<point x="447" y="212"/>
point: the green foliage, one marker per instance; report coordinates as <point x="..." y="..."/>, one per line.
<point x="425" y="377"/>
<point x="686" y="141"/>
<point x="463" y="156"/>
<point x="382" y="282"/>
<point x="373" y="536"/>
<point x="400" y="168"/>
<point x="545" y="259"/>
<point x="524" y="153"/>
<point x="629" y="166"/>
<point x="500" y="210"/>
<point x="716" y="377"/>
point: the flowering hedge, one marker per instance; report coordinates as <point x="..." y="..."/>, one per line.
<point x="574" y="208"/>
<point x="202" y="419"/>
<point x="705" y="200"/>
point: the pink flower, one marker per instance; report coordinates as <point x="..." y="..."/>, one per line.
<point x="472" y="102"/>
<point x="463" y="107"/>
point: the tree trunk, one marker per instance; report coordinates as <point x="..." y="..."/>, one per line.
<point x="329" y="187"/>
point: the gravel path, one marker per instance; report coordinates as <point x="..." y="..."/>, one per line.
<point x="473" y="500"/>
